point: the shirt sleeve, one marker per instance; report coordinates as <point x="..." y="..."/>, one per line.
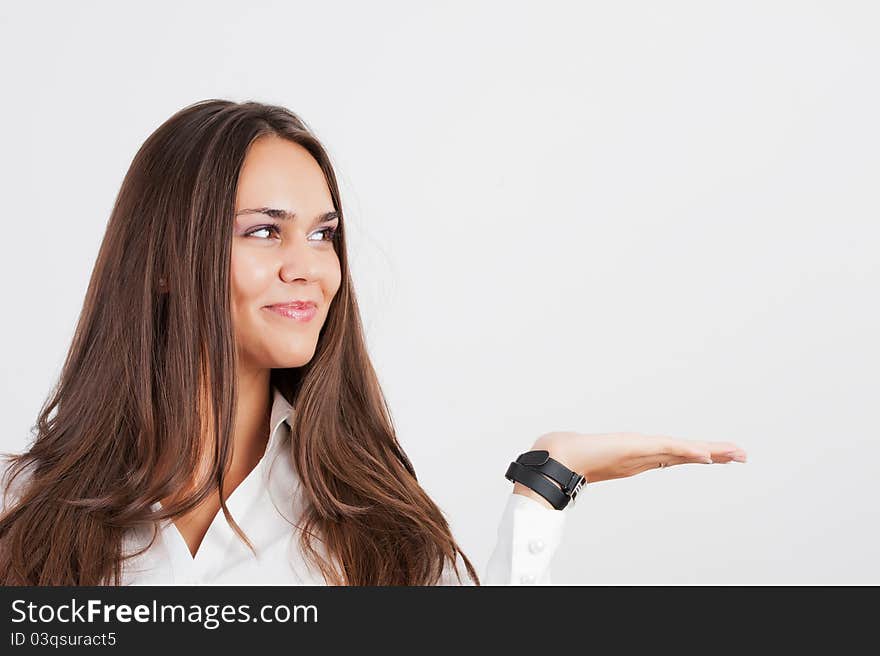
<point x="528" y="535"/>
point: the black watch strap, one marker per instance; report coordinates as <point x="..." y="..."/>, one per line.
<point x="542" y="462"/>
<point x="533" y="480"/>
<point x="531" y="467"/>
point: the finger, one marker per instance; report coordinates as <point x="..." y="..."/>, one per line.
<point x="691" y="450"/>
<point x="664" y="462"/>
<point x="722" y="447"/>
<point x="718" y="451"/>
<point x="658" y="462"/>
<point x="727" y="451"/>
<point x="661" y="461"/>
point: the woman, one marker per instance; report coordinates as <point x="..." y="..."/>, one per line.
<point x="220" y="348"/>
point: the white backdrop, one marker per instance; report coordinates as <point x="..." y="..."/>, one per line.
<point x="592" y="216"/>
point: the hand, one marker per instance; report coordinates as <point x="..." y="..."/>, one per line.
<point x="606" y="456"/>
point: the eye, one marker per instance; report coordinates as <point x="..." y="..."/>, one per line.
<point x="329" y="231"/>
<point x="270" y="228"/>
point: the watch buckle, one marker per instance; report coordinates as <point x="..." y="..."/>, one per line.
<point x="577" y="488"/>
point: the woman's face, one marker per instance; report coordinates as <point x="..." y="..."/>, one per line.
<point x="277" y="260"/>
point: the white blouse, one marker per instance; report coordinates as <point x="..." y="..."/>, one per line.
<point x="263" y="504"/>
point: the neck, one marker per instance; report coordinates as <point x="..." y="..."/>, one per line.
<point x="250" y="432"/>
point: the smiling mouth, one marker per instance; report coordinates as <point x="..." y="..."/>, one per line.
<point x="296" y="311"/>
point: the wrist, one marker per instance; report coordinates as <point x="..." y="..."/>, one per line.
<point x="519" y="488"/>
<point x="555" y="449"/>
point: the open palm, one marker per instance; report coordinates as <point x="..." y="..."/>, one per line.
<point x="605" y="456"/>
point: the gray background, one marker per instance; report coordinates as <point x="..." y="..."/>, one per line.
<point x="598" y="217"/>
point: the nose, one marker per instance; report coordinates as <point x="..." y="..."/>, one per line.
<point x="301" y="260"/>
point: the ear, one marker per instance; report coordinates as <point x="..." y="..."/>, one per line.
<point x="163" y="285"/>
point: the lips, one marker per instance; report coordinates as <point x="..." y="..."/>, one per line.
<point x="297" y="310"/>
<point x="295" y="305"/>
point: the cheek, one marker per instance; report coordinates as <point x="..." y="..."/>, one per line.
<point x="249" y="282"/>
<point x="333" y="279"/>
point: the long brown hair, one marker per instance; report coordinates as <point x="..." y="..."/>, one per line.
<point x="123" y="427"/>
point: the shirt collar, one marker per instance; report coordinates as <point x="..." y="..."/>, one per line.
<point x="281" y="411"/>
<point x="280" y="415"/>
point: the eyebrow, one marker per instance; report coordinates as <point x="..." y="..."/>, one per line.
<point x="284" y="215"/>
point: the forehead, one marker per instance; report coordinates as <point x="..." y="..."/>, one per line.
<point x="279" y="173"/>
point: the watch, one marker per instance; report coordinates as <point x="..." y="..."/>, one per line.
<point x="530" y="469"/>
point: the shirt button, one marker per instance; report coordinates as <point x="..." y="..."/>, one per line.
<point x="536" y="546"/>
<point x="527" y="578"/>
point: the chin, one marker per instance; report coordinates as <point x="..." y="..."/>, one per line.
<point x="293" y="361"/>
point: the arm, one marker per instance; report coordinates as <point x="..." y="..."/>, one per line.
<point x="531" y="529"/>
<point x="529" y="532"/>
<point x="528" y="535"/>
